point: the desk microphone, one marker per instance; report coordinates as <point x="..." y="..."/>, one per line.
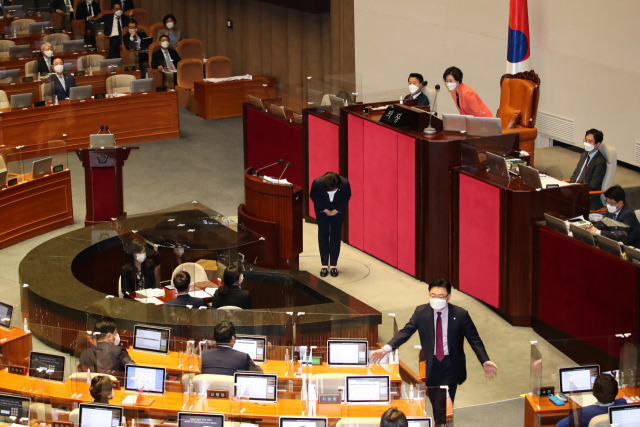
<point x="256" y="172"/>
<point x="285" y="168"/>
<point x="431" y="130"/>
<point x="107" y="128"/>
<point x="101" y="129"/>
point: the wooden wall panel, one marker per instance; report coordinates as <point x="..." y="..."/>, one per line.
<point x="266" y="39"/>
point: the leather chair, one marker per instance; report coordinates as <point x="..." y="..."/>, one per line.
<point x="196" y="271"/>
<point x="600" y="421"/>
<point x="190" y="48"/>
<point x="611" y="156"/>
<point x="56" y="40"/>
<point x="218" y="67"/>
<point x="119" y="82"/>
<point x="154" y="30"/>
<point x="4" y="47"/>
<point x="31" y="68"/>
<point x="21" y="26"/>
<point x="189" y="71"/>
<point x="140" y="15"/>
<point x="430" y="93"/>
<point x="90" y="61"/>
<point x="519" y="94"/>
<point x="4" y="100"/>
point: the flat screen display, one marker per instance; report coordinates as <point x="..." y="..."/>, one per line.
<point x="14" y="409"/>
<point x="368" y="389"/>
<point x="149" y="379"/>
<point x="578" y="379"/>
<point x="303" y="422"/>
<point x="625" y="416"/>
<point x="151" y="338"/>
<point x="258" y="387"/>
<point x="97" y="415"/>
<point x="46" y="366"/>
<point x="419" y="422"/>
<point x="196" y="419"/>
<point x="347" y="352"/>
<point x="6" y="311"/>
<point x="254" y="346"/>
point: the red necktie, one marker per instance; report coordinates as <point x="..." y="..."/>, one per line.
<point x="439" y="342"/>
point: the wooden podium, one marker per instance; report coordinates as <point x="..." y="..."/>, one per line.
<point x="274" y="211"/>
<point x="103" y="182"/>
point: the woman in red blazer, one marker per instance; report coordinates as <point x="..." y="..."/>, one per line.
<point x="466" y="99"/>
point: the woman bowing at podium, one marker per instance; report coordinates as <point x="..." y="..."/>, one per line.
<point x="330" y="194"/>
<point x="466" y="99"/>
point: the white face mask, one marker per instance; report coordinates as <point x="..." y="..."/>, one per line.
<point x="165" y="44"/>
<point x="141" y="257"/>
<point x="178" y="251"/>
<point x="588" y="147"/>
<point x="48" y="53"/>
<point x="452" y="85"/>
<point x="611" y="208"/>
<point x="132" y="31"/>
<point x="438" y="303"/>
<point x="118" y="13"/>
<point x="116" y="340"/>
<point x="58" y="68"/>
<point x="413" y="89"/>
<point x="170" y="25"/>
<point x="89" y="1"/>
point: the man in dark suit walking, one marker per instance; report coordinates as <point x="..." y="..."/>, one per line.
<point x="113" y="25"/>
<point x="592" y="166"/>
<point x="442" y="328"/>
<point x="86" y="11"/>
<point x="223" y="359"/>
<point x="106" y="357"/>
<point x="181" y="281"/>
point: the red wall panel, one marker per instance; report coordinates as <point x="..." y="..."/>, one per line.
<point x="406" y="203"/>
<point x="356" y="180"/>
<point x="323" y="150"/>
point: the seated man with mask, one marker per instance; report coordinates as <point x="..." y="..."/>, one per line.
<point x="416" y="83"/>
<point x="617" y="210"/>
<point x="62" y="82"/>
<point x="106" y="357"/>
<point x="591" y="167"/>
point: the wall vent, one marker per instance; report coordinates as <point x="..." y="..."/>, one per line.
<point x="556" y="127"/>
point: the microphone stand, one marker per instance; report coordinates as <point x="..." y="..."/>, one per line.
<point x="430" y="130"/>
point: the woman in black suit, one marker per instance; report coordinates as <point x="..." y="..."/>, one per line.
<point x="230" y="293"/>
<point x="330" y="194"/>
<point x="138" y="272"/>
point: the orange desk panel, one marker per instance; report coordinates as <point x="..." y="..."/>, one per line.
<point x="15" y="346"/>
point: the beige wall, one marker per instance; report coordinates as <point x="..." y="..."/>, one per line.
<point x="266" y="39"/>
<point x="585" y="51"/>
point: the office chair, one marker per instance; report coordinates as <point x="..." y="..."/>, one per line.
<point x="218" y="67"/>
<point x="30" y="68"/>
<point x="119" y="82"/>
<point x="4" y="100"/>
<point x="154" y="30"/>
<point x="89" y="61"/>
<point x="611" y="156"/>
<point x="189" y="71"/>
<point x="229" y="307"/>
<point x="600" y="421"/>
<point x="4" y="47"/>
<point x="196" y="271"/>
<point x="21" y="26"/>
<point x="56" y="40"/>
<point x="140" y="15"/>
<point x="190" y="48"/>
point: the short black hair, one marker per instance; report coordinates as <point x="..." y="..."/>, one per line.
<point x="455" y="72"/>
<point x="104" y="326"/>
<point x="181" y="281"/>
<point x="417" y="76"/>
<point x="101" y="388"/>
<point x="440" y="283"/>
<point x="133" y="21"/>
<point x="605" y="388"/>
<point x="224" y="332"/>
<point x="231" y="276"/>
<point x="616" y="193"/>
<point x="330" y="181"/>
<point x="597" y="134"/>
<point x="169" y="16"/>
<point x="115" y="2"/>
<point x="165" y="35"/>
<point x="393" y="417"/>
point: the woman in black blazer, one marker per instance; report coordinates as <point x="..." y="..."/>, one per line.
<point x="230" y="292"/>
<point x="330" y="194"/>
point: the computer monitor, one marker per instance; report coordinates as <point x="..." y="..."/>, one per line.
<point x="151" y="338"/>
<point x="99" y="415"/>
<point x="38" y="27"/>
<point x="20" y="51"/>
<point x="141" y="85"/>
<point x="255" y="101"/>
<point x="102" y="140"/>
<point x="41" y="167"/>
<point x="632" y="254"/>
<point x="497" y="165"/>
<point x="278" y="110"/>
<point x="111" y="65"/>
<point x="556" y="224"/>
<point x="484" y="126"/>
<point x="10" y="76"/>
<point x="149" y="379"/>
<point x="419" y="422"/>
<point x="256" y="387"/>
<point x="347" y="352"/>
<point x="530" y="176"/>
<point x="254" y="346"/>
<point x="6" y="312"/>
<point x="368" y="389"/>
<point x="454" y="122"/>
<point x="80" y="92"/>
<point x="578" y="379"/>
<point x="608" y="245"/>
<point x="625" y="415"/>
<point x="14" y="409"/>
<point x="582" y="234"/>
<point x="46" y="366"/>
<point x="21" y="100"/>
<point x="73" y="45"/>
<point x="303" y="422"/>
<point x="199" y="419"/>
<point x="469" y="157"/>
<point x="336" y="104"/>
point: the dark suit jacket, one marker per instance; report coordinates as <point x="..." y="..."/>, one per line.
<point x="126" y="5"/>
<point x="626" y="216"/>
<point x="107" y="20"/>
<point x="321" y="200"/>
<point x="593" y="175"/>
<point x="157" y="58"/>
<point x="460" y="326"/>
<point x="42" y="65"/>
<point x="223" y="360"/>
<point x="130" y="44"/>
<point x="82" y="11"/>
<point x="238" y="297"/>
<point x="587" y="413"/>
<point x="423" y="101"/>
<point x="60" y="5"/>
<point x="69" y="82"/>
<point x="186" y="299"/>
<point x="128" y="279"/>
<point x="105" y="358"/>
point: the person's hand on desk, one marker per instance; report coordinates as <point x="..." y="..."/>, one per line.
<point x="378" y="355"/>
<point x="490" y="369"/>
<point x="160" y="67"/>
<point x="591" y="229"/>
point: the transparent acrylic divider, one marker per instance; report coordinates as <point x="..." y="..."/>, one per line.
<point x="321" y="89"/>
<point x="11" y="162"/>
<point x="535" y="369"/>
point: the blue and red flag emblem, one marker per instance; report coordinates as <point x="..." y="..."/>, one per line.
<point x="518" y="47"/>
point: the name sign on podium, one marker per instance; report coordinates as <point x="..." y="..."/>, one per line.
<point x="395" y="117"/>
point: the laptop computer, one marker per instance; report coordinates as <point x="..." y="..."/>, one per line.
<point x="582" y="234"/>
<point x="455" y="122"/>
<point x="556" y="224"/>
<point x="21" y="100"/>
<point x="484" y="126"/>
<point x="80" y="92"/>
<point x="625" y="415"/>
<point x="41" y="167"/>
<point x="102" y="140"/>
<point x="530" y="176"/>
<point x="20" y="51"/>
<point x="497" y="165"/>
<point x="632" y="254"/>
<point x="609" y="245"/>
<point x="577" y="383"/>
<point x="10" y="76"/>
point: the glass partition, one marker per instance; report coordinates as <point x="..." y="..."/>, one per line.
<point x="11" y="162"/>
<point x="333" y="91"/>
